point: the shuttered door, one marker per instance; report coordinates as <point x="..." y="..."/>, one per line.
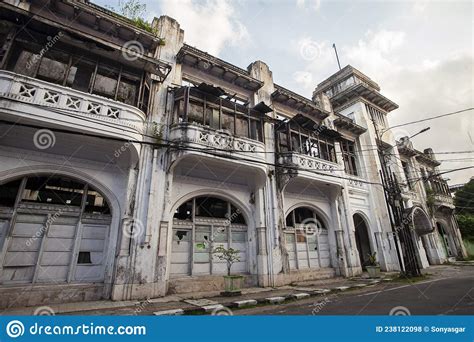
<point x="323" y="246"/>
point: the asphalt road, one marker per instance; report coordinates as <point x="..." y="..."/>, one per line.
<point x="453" y="295"/>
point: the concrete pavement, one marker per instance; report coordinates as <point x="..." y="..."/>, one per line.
<point x="437" y="293"/>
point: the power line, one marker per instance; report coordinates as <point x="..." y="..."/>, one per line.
<point x="178" y="145"/>
<point x="430" y="118"/>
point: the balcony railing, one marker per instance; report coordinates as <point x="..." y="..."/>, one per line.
<point x="223" y="142"/>
<point x="357" y="183"/>
<point x="308" y="163"/>
<point x="69" y="101"/>
<point x="345" y="84"/>
<point x="443" y="200"/>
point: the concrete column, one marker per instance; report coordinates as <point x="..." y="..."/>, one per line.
<point x="268" y="234"/>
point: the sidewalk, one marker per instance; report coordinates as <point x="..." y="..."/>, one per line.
<point x="207" y="302"/>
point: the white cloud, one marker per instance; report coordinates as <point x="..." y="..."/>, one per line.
<point x="312" y="4"/>
<point x="373" y="54"/>
<point x="443" y="87"/>
<point x="304" y="78"/>
<point x="419" y="6"/>
<point x="422" y="89"/>
<point x="208" y="25"/>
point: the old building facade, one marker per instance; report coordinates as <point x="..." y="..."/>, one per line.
<point x="127" y="155"/>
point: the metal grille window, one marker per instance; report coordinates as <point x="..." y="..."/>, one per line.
<point x="192" y="105"/>
<point x="306" y="239"/>
<point x="63" y="65"/>
<point x="52" y="230"/>
<point x="199" y="226"/>
<point x="349" y="156"/>
<point x="406" y="172"/>
<point x="294" y="138"/>
<point x="377" y="115"/>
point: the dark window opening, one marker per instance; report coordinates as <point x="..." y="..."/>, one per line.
<point x="61" y="191"/>
<point x="236" y="216"/>
<point x="304" y="215"/>
<point x="9" y="192"/>
<point x="84" y="258"/>
<point x="65" y="65"/>
<point x="184" y="212"/>
<point x="349" y="157"/>
<point x="80" y="74"/>
<point x="304" y="141"/>
<point x="182" y="235"/>
<point x="194" y="106"/>
<point x="210" y="207"/>
<point x="96" y="203"/>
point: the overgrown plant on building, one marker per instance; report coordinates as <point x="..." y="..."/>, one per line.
<point x="233" y="283"/>
<point x="463" y="200"/>
<point x="135" y="11"/>
<point x="430" y="201"/>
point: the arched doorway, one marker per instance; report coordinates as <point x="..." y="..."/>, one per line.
<point x="445" y="239"/>
<point x="201" y="224"/>
<point x="306" y="239"/>
<point x="362" y="239"/>
<point x="53" y="229"/>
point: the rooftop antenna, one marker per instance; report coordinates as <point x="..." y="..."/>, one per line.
<point x="337" y="57"/>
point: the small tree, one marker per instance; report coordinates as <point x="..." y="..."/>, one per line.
<point x="373" y="259"/>
<point x="134" y="10"/>
<point x="229" y="255"/>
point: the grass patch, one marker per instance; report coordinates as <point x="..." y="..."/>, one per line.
<point x="406" y="280"/>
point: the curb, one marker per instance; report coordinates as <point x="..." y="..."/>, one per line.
<point x="247" y="303"/>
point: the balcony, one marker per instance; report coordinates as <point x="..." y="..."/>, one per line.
<point x="409" y="194"/>
<point x="199" y="139"/>
<point x="48" y="104"/>
<point x="312" y="168"/>
<point x="357" y="183"/>
<point x="443" y="200"/>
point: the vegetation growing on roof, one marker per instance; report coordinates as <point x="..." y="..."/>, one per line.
<point x="135" y="11"/>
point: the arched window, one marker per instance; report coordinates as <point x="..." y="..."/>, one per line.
<point x="52" y="229"/>
<point x="200" y="225"/>
<point x="306" y="239"/>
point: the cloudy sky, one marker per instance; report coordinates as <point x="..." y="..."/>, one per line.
<point x="420" y="53"/>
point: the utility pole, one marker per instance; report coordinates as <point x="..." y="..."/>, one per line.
<point x="337" y="57"/>
<point x="400" y="225"/>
